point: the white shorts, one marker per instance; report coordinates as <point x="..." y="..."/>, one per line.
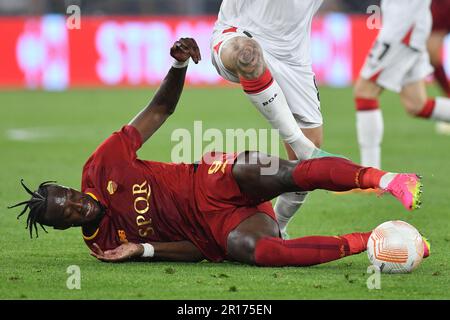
<point x="297" y="81"/>
<point x="392" y="66"/>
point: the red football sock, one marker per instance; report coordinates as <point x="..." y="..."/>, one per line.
<point x="363" y="104"/>
<point x="308" y="251"/>
<point x="428" y="109"/>
<point x="441" y="78"/>
<point x="254" y="86"/>
<point x="370" y="178"/>
<point x="335" y="174"/>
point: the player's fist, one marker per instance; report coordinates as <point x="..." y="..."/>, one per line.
<point x="184" y="49"/>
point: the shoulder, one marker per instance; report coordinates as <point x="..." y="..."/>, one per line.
<point x="127" y="138"/>
<point x="120" y="145"/>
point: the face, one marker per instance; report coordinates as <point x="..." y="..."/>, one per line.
<point x="67" y="208"/>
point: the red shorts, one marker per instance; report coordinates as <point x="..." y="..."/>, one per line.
<point x="219" y="198"/>
<point x="440" y="10"/>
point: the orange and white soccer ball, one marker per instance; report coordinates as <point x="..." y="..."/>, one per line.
<point x="395" y="247"/>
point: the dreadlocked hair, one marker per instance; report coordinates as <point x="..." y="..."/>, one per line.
<point x="37" y="205"/>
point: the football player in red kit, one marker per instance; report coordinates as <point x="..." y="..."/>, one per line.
<point x="217" y="209"/>
<point x="440" y="10"/>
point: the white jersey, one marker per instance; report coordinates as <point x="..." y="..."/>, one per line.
<point x="281" y="27"/>
<point x="402" y="16"/>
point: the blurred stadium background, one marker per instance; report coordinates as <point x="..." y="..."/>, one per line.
<point x="63" y="91"/>
<point x="124" y="42"/>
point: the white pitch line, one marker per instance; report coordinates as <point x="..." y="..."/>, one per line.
<point x="30" y="134"/>
<point x="67" y="133"/>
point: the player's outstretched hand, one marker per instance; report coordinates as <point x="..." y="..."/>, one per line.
<point x="123" y="252"/>
<point x="184" y="49"/>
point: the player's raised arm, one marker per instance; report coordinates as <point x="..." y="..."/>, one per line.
<point x="166" y="98"/>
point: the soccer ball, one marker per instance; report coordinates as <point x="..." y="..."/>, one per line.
<point x="395" y="247"/>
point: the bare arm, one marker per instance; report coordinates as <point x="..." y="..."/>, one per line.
<point x="181" y="251"/>
<point x="163" y="104"/>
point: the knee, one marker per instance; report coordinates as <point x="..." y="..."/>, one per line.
<point x="244" y="56"/>
<point x="285" y="173"/>
<point x="241" y="247"/>
<point x="366" y="89"/>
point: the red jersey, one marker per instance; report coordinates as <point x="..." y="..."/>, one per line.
<point x="145" y="201"/>
<point x="440" y="10"/>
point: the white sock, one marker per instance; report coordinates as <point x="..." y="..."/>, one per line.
<point x="286" y="206"/>
<point x="386" y="179"/>
<point x="273" y="105"/>
<point x="441" y="110"/>
<point x="370" y="128"/>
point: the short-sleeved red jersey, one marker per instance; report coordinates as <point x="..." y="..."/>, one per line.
<point x="145" y="201"/>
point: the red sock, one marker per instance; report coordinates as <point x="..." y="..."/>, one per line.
<point x="335" y="174"/>
<point x="254" y="86"/>
<point x="370" y="178"/>
<point x="428" y="109"/>
<point x="441" y="78"/>
<point x="363" y="104"/>
<point x="308" y="251"/>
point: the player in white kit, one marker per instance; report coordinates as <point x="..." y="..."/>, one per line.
<point x="399" y="62"/>
<point x="265" y="46"/>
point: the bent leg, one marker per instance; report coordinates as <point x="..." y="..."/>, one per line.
<point x="243" y="56"/>
<point x="289" y="203"/>
<point x="256" y="241"/>
<point x="414" y="98"/>
<point x="331" y="173"/>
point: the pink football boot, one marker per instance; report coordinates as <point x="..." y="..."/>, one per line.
<point x="407" y="188"/>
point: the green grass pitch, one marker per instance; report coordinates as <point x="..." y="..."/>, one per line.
<point x="48" y="136"/>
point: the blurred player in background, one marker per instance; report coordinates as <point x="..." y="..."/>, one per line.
<point x="399" y="61"/>
<point x="216" y="209"/>
<point x="265" y="46"/>
<point x="440" y="9"/>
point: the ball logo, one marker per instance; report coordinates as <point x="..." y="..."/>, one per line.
<point x="384" y="253"/>
<point x="395" y="247"/>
